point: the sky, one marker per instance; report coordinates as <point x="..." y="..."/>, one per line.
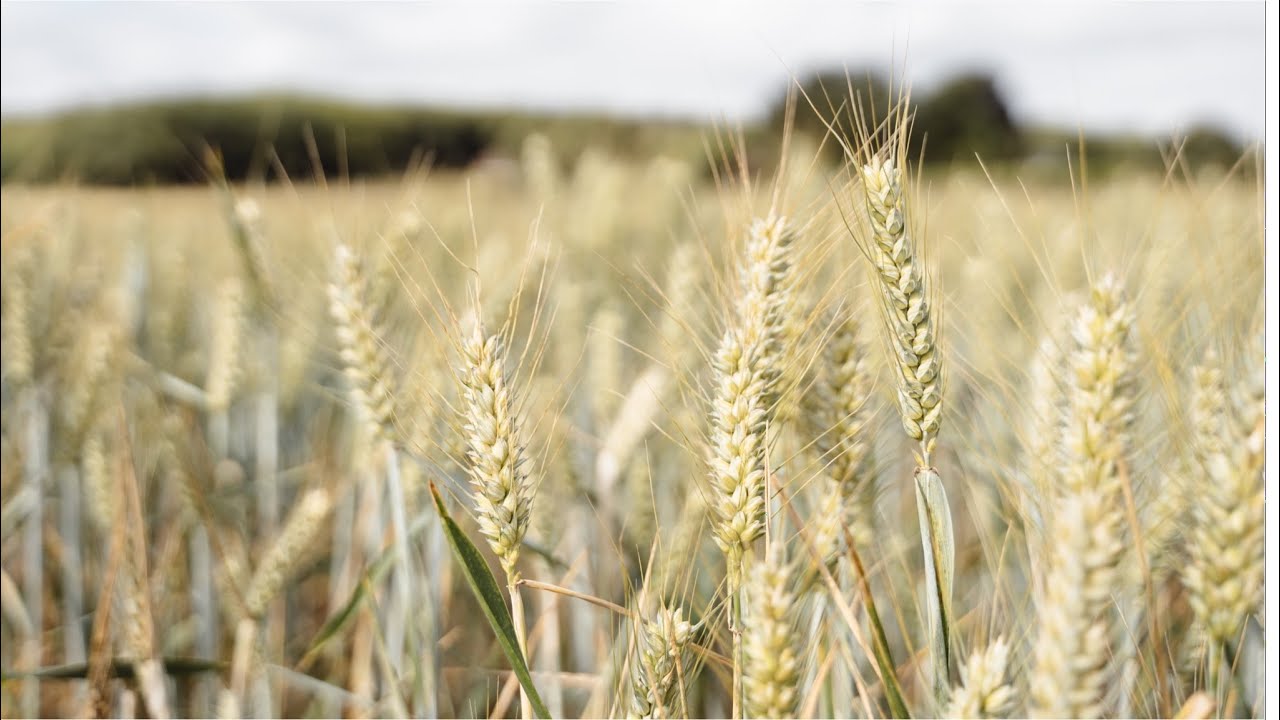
<point x="1154" y="68"/>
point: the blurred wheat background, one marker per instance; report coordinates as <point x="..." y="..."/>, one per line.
<point x="816" y="418"/>
<point x="223" y="407"/>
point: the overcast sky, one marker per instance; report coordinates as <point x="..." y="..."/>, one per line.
<point x="1148" y="67"/>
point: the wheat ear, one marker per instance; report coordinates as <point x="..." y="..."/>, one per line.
<point x="841" y="410"/>
<point x="304" y="523"/>
<point x="364" y="360"/>
<point x="770" y="657"/>
<point x="1069" y="673"/>
<point x="225" y="346"/>
<point x="745" y="375"/>
<point x="984" y="690"/>
<point x="904" y="291"/>
<point x="17" y="358"/>
<point x="1225" y="574"/>
<point x="659" y="662"/>
<point x="502" y="485"/>
<point x="245" y="217"/>
<point x="903" y="285"/>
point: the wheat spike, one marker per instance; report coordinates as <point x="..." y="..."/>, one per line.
<point x="661" y="657"/>
<point x="904" y="287"/>
<point x="18" y="362"/>
<point x="364" y="359"/>
<point x="840" y="412"/>
<point x="1101" y="392"/>
<point x="984" y="690"/>
<point x="305" y="522"/>
<point x="225" y="345"/>
<point x="245" y="216"/>
<point x="771" y="665"/>
<point x="1224" y="576"/>
<point x="1069" y="672"/>
<point x="1072" y="651"/>
<point x="503" y="488"/>
<point x="746" y="372"/>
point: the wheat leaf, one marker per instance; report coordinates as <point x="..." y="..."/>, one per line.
<point x="486" y="589"/>
<point x="938" y="544"/>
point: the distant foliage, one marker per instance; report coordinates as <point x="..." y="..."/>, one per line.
<point x="967" y="118"/>
<point x="964" y="118"/>
<point x="162" y="142"/>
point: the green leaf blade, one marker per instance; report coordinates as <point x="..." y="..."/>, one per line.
<point x="938" y="544"/>
<point x="487" y="591"/>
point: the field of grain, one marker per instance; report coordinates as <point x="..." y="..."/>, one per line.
<point x="836" y="441"/>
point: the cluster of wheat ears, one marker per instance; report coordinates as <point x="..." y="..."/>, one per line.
<point x="618" y="440"/>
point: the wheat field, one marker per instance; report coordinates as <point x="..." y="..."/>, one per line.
<point x="636" y="439"/>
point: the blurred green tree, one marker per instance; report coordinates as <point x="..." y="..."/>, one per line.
<point x="964" y="118"/>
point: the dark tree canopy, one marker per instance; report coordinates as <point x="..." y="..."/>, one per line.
<point x="964" y="117"/>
